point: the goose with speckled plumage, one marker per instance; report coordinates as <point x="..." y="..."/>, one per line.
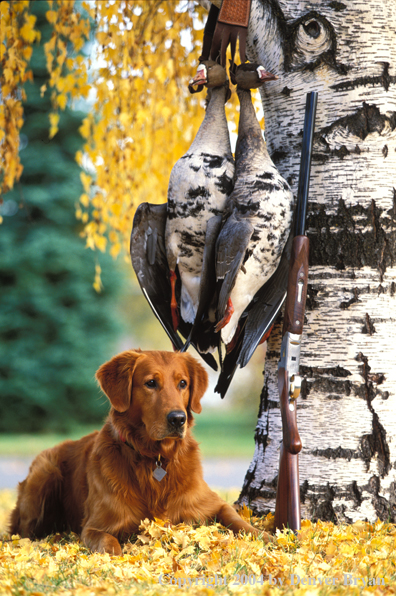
<point x="200" y="183"/>
<point x="250" y="244"/>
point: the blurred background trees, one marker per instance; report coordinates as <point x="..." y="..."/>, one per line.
<point x="94" y="112"/>
<point x="132" y="61"/>
<point x="55" y="329"/>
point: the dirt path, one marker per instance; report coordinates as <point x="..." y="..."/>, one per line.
<point x="220" y="473"/>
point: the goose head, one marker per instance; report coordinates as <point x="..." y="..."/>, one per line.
<point x="251" y="76"/>
<point x="209" y="73"/>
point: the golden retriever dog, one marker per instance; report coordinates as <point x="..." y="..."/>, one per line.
<point x="144" y="463"/>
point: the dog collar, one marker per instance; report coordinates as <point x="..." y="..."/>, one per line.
<point x="123" y="439"/>
<point x="159" y="471"/>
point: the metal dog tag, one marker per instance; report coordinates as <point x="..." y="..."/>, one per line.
<point x="159" y="471"/>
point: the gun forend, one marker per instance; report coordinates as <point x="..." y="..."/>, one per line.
<point x="289" y="381"/>
<point x="293" y="321"/>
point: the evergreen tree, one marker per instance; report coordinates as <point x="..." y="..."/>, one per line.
<point x="55" y="330"/>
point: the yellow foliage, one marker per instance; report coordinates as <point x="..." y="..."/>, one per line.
<point x="51" y="16"/>
<point x="142" y="118"/>
<point x="98" y="282"/>
<point x="68" y="74"/>
<point x="27" y="30"/>
<point x="17" y="33"/>
<point x="192" y="557"/>
<point x="54" y="121"/>
<point x="137" y="127"/>
<point x="61" y="101"/>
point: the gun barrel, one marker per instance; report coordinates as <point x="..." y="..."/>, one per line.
<point x="305" y="165"/>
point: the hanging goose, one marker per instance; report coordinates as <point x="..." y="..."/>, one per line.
<point x="250" y="244"/>
<point x="256" y="322"/>
<point x="151" y="267"/>
<point x="199" y="186"/>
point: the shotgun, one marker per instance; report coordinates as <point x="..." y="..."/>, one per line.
<point x="287" y="509"/>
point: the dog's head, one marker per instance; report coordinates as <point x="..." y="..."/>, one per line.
<point x="155" y="389"/>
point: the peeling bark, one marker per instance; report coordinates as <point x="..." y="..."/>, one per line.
<point x="346" y="414"/>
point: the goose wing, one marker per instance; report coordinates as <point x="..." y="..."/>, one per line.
<point x="257" y="320"/>
<point x="231" y="247"/>
<point x="266" y="306"/>
<point x="150" y="264"/>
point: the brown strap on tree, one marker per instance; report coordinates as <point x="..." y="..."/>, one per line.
<point x="209" y="30"/>
<point x="232" y="23"/>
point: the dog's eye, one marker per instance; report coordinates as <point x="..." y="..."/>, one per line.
<point x="152" y="384"/>
<point x="183" y="384"/>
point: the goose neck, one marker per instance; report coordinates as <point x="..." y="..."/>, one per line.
<point x="214" y="128"/>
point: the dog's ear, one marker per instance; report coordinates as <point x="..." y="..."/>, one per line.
<point x="198" y="383"/>
<point x="115" y="378"/>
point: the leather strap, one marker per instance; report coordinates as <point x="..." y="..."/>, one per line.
<point x="235" y="12"/>
<point x="209" y="30"/>
<point x="232" y="23"/>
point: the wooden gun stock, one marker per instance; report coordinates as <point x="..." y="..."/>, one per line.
<point x="287" y="510"/>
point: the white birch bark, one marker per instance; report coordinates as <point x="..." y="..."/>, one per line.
<point x="345" y="50"/>
<point x="347" y="418"/>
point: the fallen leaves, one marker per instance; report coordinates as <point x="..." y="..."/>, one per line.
<point x="324" y="558"/>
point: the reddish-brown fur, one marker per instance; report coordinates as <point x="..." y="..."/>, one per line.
<point x="102" y="486"/>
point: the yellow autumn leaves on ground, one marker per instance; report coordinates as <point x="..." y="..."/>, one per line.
<point x="324" y="559"/>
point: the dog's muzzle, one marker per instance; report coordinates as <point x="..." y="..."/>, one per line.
<point x="176" y="421"/>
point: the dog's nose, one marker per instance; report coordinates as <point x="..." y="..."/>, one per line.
<point x="176" y="419"/>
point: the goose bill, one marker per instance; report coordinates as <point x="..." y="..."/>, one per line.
<point x="264" y="75"/>
<point x="201" y="78"/>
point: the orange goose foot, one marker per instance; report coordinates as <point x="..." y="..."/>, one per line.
<point x="229" y="311"/>
<point x="233" y="342"/>
<point x="266" y="335"/>
<point x="173" y="304"/>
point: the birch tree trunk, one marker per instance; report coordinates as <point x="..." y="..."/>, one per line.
<point x="347" y="410"/>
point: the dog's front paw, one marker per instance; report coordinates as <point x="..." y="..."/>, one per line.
<point x="265" y="536"/>
<point x="101" y="542"/>
<point x="110" y="545"/>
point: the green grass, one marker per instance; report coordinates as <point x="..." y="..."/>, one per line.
<point x="24" y="445"/>
<point x="221" y="433"/>
<point x="225" y="433"/>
